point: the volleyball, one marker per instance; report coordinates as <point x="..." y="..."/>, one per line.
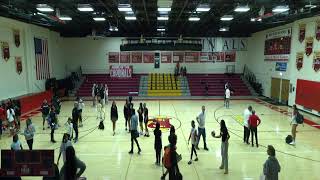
<point x="213" y="133"/>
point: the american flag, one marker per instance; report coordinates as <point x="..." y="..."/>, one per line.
<point x="42" y="59"/>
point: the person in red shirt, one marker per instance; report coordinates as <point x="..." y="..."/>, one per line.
<point x="2" y="118"/>
<point x="254" y="122"/>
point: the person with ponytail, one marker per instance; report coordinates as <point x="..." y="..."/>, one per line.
<point x="69" y="170"/>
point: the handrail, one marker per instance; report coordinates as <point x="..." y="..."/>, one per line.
<point x="250" y="77"/>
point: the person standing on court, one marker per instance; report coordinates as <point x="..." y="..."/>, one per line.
<point x="114" y="116"/>
<point x="141" y="123"/>
<point x="294" y="124"/>
<point x="126" y="113"/>
<point x="45" y="109"/>
<point x="146" y="119"/>
<point x="75" y="118"/>
<point x="29" y="133"/>
<point x="246" y="131"/>
<point x="227" y="100"/>
<point x="193" y="136"/>
<point x="224" y="135"/>
<point x="254" y="122"/>
<point x="201" y="128"/>
<point x="134" y="131"/>
<point x="2" y="117"/>
<point x="80" y="109"/>
<point x="271" y="167"/>
<point x="53" y="123"/>
<point x="157" y="143"/>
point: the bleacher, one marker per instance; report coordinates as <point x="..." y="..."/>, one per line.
<point x="163" y="85"/>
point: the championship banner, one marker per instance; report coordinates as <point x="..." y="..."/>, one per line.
<point x="125" y="57"/>
<point x="309" y="45"/>
<point x="136" y="57"/>
<point x="230" y="56"/>
<point x="166" y="57"/>
<point x="278" y="45"/>
<point x="148" y="57"/>
<point x="299" y="60"/>
<point x="217" y="56"/>
<point x="18" y="65"/>
<point x="192" y="57"/>
<point x="178" y="57"/>
<point x="302" y="32"/>
<point x="204" y="57"/>
<point x="113" y="57"/>
<point x="318" y="29"/>
<point x="16" y="37"/>
<point x="121" y="71"/>
<point x="316" y="61"/>
<point x="5" y="51"/>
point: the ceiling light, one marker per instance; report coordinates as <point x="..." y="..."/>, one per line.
<point x="85" y="7"/>
<point x="242" y="9"/>
<point x="311" y="6"/>
<point x="99" y="18"/>
<point x="253" y="19"/>
<point x="164" y="9"/>
<point x="280" y="9"/>
<point x="194" y="19"/>
<point x="224" y="29"/>
<point x="161" y="29"/>
<point x="44" y="8"/>
<point x="130" y="18"/>
<point x="129" y="12"/>
<point x="203" y="8"/>
<point x="163" y="18"/>
<point x="65" y="18"/>
<point x="124" y="9"/>
<point x="259" y="20"/>
<point x="226" y="18"/>
<point x="113" y="28"/>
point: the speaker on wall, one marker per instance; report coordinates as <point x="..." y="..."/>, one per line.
<point x="157" y="60"/>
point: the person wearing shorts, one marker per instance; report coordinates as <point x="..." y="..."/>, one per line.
<point x="146" y="119"/>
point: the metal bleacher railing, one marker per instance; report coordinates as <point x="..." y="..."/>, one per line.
<point x="250" y="77"/>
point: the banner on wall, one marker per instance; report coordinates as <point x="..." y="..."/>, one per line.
<point x="302" y="32"/>
<point x="299" y="60"/>
<point x="230" y="56"/>
<point x="192" y="57"/>
<point x="148" y="57"/>
<point x="121" y="71"/>
<point x="166" y="57"/>
<point x="18" y="65"/>
<point x="5" y="51"/>
<point x="124" y="57"/>
<point x="318" y="29"/>
<point x="278" y="45"/>
<point x="204" y="57"/>
<point x="281" y="66"/>
<point x="309" y="45"/>
<point x="136" y="57"/>
<point x="178" y="57"/>
<point x="316" y="61"/>
<point x="217" y="56"/>
<point x="16" y="37"/>
<point x="113" y="57"/>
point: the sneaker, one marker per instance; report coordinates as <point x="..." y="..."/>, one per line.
<point x="43" y="128"/>
<point x="226" y="172"/>
<point x="293" y="143"/>
<point x="196" y="159"/>
<point x="139" y="151"/>
<point x="114" y="133"/>
<point x="190" y="162"/>
<point x="53" y="141"/>
<point x="205" y="148"/>
<point x="75" y="140"/>
<point x="197" y="148"/>
<point x="126" y="129"/>
<point x="130" y="152"/>
<point x="141" y="133"/>
<point x="221" y="167"/>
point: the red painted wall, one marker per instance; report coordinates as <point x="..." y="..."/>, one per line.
<point x="308" y="94"/>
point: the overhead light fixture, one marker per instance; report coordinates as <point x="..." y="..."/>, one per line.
<point x="311" y="6"/>
<point x="280" y="9"/>
<point x="163" y="18"/>
<point x="161" y="29"/>
<point x="129" y="12"/>
<point x="113" y="28"/>
<point x="124" y="7"/>
<point x="203" y="8"/>
<point x="164" y="9"/>
<point x="85" y="8"/>
<point x="99" y="18"/>
<point x="226" y="18"/>
<point x="65" y="18"/>
<point x="44" y="8"/>
<point x="253" y="19"/>
<point x="242" y="8"/>
<point x="259" y="19"/>
<point x="194" y="19"/>
<point x="224" y="29"/>
<point x="130" y="18"/>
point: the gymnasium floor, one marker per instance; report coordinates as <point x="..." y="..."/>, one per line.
<point x="107" y="157"/>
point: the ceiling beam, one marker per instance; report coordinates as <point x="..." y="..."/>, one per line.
<point x="145" y="11"/>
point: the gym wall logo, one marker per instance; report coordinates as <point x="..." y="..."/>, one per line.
<point x="302" y="32"/>
<point x="309" y="45"/>
<point x="163" y="120"/>
<point x="18" y="65"/>
<point x="16" y="37"/>
<point x="318" y="29"/>
<point x="299" y="60"/>
<point x="316" y="61"/>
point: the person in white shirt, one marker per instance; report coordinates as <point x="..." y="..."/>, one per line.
<point x="106" y="90"/>
<point x="64" y="144"/>
<point x="80" y="108"/>
<point x="16" y="144"/>
<point x="10" y="117"/>
<point x="246" y="131"/>
<point x="201" y="128"/>
<point x="193" y="136"/>
<point x="94" y="94"/>
<point x="69" y="128"/>
<point x="227" y="100"/>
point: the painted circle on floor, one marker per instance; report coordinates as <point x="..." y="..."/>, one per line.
<point x="164" y="121"/>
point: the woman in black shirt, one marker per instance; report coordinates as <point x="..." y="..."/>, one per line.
<point x="125" y="113"/>
<point x="157" y="143"/>
<point x="114" y="116"/>
<point x="224" y="135"/>
<point x="140" y="112"/>
<point x="146" y="119"/>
